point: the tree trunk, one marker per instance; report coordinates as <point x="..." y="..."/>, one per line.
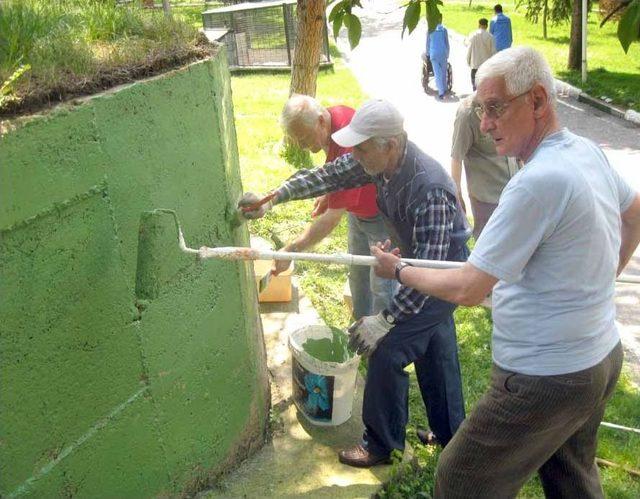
<point x="545" y="14"/>
<point x="575" y="43"/>
<point x="306" y="57"/>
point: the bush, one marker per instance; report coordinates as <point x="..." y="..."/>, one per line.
<point x="70" y="43"/>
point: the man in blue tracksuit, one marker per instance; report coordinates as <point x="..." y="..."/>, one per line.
<point x="438" y="52"/>
<point x="500" y="28"/>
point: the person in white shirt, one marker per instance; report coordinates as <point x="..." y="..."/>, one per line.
<point x="481" y="47"/>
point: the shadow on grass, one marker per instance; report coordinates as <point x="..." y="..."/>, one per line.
<point x="564" y="40"/>
<point x="622" y="87"/>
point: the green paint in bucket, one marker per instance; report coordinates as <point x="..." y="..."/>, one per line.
<point x="334" y="349"/>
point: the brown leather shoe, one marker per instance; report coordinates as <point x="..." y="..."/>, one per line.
<point x="360" y="457"/>
<point x="427" y="437"/>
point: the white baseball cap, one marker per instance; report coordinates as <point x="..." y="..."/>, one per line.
<point x="376" y="118"/>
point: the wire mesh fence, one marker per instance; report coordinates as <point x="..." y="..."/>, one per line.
<point x="258" y="34"/>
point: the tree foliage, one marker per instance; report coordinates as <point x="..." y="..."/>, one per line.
<point x="629" y="24"/>
<point x="342" y="15"/>
<point x="558" y="10"/>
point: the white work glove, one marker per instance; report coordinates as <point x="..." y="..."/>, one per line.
<point x="248" y="199"/>
<point x="366" y="333"/>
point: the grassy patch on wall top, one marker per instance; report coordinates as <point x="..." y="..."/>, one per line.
<point x="53" y="49"/>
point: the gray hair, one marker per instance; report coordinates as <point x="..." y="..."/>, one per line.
<point x="300" y="110"/>
<point x="521" y="68"/>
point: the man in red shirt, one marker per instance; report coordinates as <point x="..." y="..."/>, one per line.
<point x="310" y="125"/>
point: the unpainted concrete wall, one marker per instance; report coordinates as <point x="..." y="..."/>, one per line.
<point x="127" y="368"/>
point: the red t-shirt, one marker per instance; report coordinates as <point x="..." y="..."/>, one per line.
<point x="361" y="201"/>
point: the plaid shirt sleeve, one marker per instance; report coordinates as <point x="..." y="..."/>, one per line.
<point x="433" y="224"/>
<point x="342" y="173"/>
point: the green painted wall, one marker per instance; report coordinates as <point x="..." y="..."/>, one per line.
<point x="127" y="369"/>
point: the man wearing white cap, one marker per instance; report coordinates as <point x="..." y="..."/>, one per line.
<point x="418" y="201"/>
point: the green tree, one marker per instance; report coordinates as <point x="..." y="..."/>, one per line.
<point x="552" y="11"/>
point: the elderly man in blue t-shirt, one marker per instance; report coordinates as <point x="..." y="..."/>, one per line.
<point x="565" y="226"/>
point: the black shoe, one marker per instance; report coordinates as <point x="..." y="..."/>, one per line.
<point x="359" y="457"/>
<point x="427" y="437"/>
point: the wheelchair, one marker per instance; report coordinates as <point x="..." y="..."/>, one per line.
<point x="427" y="72"/>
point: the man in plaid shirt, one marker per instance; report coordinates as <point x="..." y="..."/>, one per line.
<point x="418" y="201"/>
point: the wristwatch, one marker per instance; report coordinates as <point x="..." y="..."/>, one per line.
<point x="390" y="319"/>
<point x="399" y="267"/>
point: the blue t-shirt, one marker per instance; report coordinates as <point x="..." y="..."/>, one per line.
<point x="554" y="242"/>
<point x="500" y="28"/>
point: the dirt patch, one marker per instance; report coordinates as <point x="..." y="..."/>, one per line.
<point x="157" y="62"/>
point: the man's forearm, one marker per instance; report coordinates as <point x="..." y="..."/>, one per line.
<point x="464" y="286"/>
<point x="343" y="173"/>
<point x="317" y="231"/>
<point x="456" y="174"/>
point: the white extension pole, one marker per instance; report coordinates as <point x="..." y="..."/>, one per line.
<point x="232" y="253"/>
<point x="242" y="253"/>
<point x="584" y="41"/>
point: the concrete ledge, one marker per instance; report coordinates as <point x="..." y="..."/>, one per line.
<point x="565" y="89"/>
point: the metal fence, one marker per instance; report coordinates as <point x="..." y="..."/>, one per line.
<point x="258" y="34"/>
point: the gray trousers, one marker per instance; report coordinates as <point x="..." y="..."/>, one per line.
<point x="370" y="294"/>
<point x="481" y="212"/>
<point x="524" y="424"/>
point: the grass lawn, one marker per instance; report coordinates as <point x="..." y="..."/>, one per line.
<point x="258" y="100"/>
<point x="612" y="73"/>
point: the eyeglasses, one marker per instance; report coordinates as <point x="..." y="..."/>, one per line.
<point x="495" y="111"/>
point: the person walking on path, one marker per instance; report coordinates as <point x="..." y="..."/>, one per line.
<point x="487" y="172"/>
<point x="438" y="52"/>
<point x="481" y="47"/>
<point x="418" y="200"/>
<point x="310" y="125"/>
<point x="500" y="28"/>
<point x="565" y="226"/>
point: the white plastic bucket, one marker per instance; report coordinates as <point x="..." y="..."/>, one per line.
<point x="322" y="391"/>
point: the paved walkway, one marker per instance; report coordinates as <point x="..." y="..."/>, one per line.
<point x="389" y="67"/>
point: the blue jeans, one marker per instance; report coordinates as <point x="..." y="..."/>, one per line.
<point x="428" y="340"/>
<point x="369" y="293"/>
